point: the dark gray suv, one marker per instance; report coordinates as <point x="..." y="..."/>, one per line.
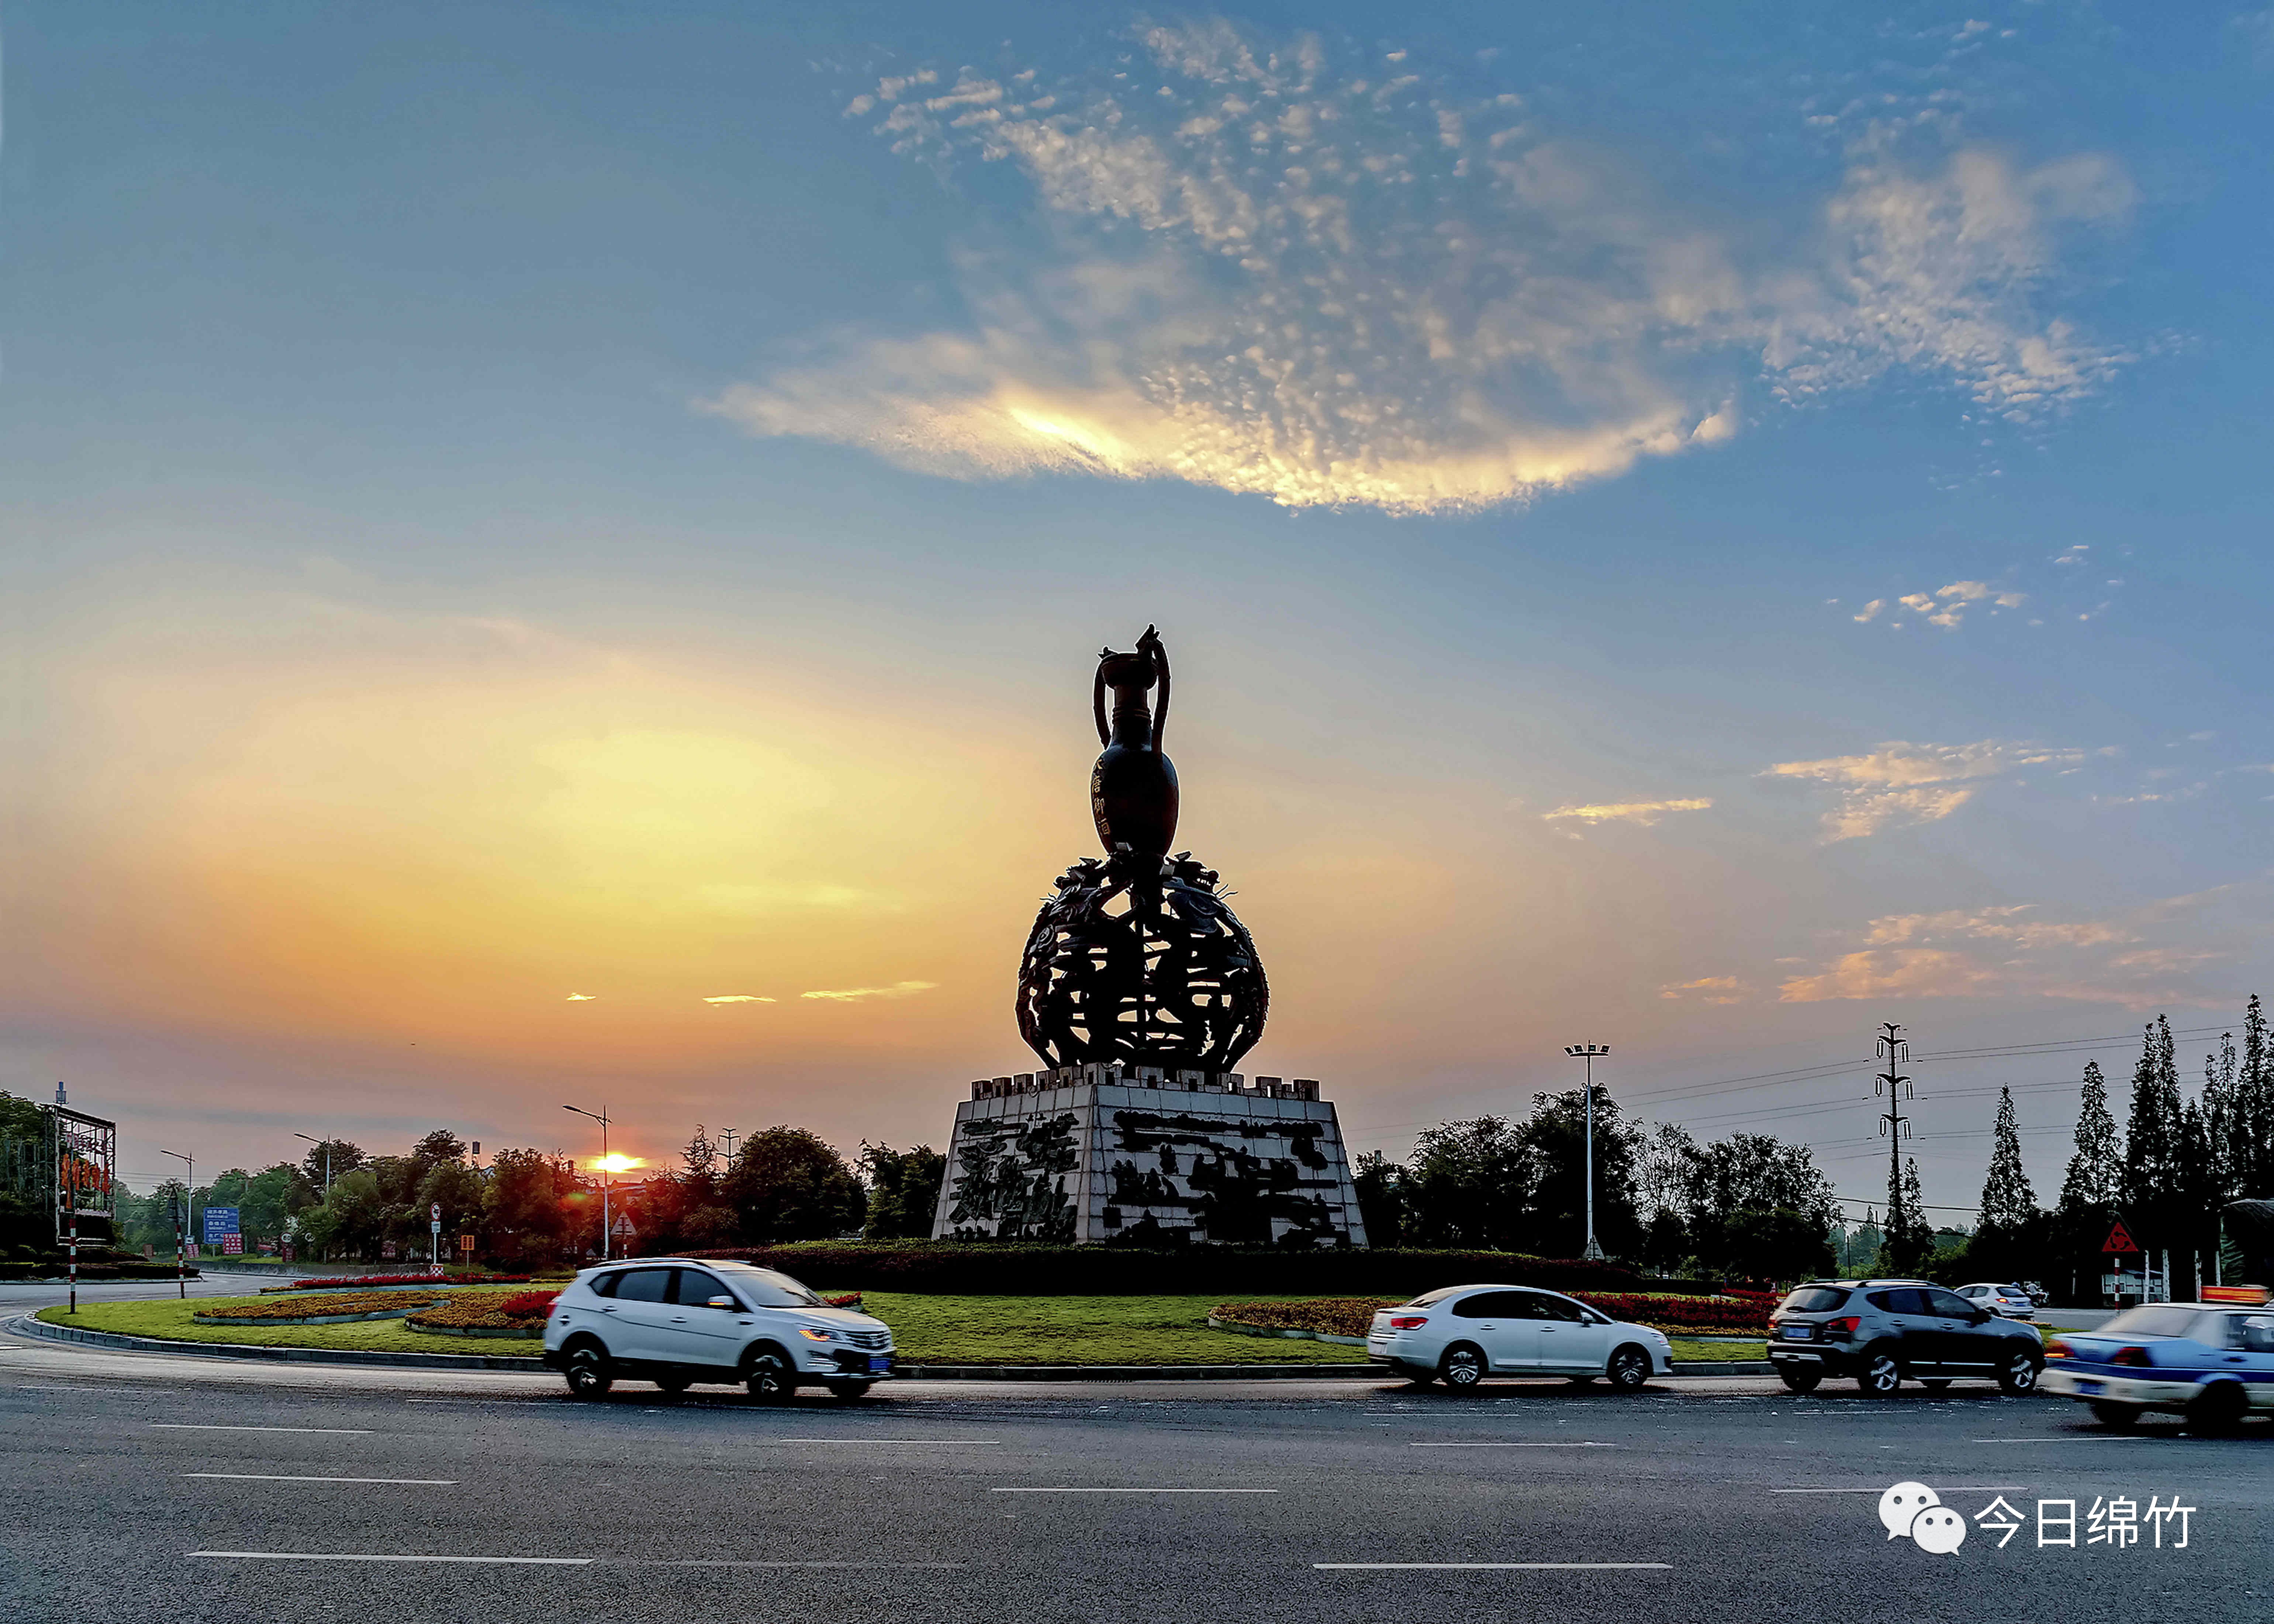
<point x="1880" y="1331"/>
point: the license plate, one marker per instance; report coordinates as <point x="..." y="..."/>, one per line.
<point x="879" y="1363"/>
<point x="2090" y="1386"/>
<point x="1800" y="1332"/>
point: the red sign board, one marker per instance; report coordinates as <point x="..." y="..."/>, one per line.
<point x="232" y="1245"/>
<point x="2120" y="1239"/>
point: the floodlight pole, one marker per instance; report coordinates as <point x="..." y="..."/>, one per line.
<point x="1587" y="1053"/>
<point x="601" y="1117"/>
<point x="182" y="1229"/>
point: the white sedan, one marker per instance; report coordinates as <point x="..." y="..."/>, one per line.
<point x="2010" y="1301"/>
<point x="1460" y="1335"/>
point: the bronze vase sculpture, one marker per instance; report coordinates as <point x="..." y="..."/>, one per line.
<point x="1138" y="960"/>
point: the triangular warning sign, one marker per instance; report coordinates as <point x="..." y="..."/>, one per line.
<point x="2120" y="1239"/>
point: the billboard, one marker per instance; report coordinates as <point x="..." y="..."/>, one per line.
<point x="86" y="1150"/>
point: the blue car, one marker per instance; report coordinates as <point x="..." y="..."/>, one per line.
<point x="2212" y="1363"/>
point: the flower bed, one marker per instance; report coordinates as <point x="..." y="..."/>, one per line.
<point x="363" y="1283"/>
<point x="320" y="1310"/>
<point x="520" y="1313"/>
<point x="1331" y="1316"/>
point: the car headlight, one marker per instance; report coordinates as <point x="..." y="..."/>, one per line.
<point x="812" y="1334"/>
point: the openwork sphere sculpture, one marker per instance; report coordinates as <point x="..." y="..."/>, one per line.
<point x="1137" y="961"/>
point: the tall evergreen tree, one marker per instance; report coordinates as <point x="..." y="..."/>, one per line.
<point x="2097" y="1169"/>
<point x="2249" y="1149"/>
<point x="2150" y="1187"/>
<point x="2220" y="1068"/>
<point x="2007" y="1201"/>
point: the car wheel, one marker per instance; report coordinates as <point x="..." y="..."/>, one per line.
<point x="1938" y="1383"/>
<point x="588" y="1371"/>
<point x="674" y="1383"/>
<point x="2217" y="1411"/>
<point x="769" y="1377"/>
<point x="1628" y="1369"/>
<point x="1800" y="1378"/>
<point x="2019" y="1374"/>
<point x="850" y="1390"/>
<point x="1462" y="1367"/>
<point x="1880" y="1375"/>
<point x="2116" y="1418"/>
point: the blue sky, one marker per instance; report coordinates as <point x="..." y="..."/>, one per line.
<point x="443" y="442"/>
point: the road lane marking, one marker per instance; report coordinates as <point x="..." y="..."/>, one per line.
<point x="1955" y="1488"/>
<point x="440" y="1483"/>
<point x="203" y="1426"/>
<point x="1509" y="1567"/>
<point x="919" y="1442"/>
<point x="329" y="1556"/>
<point x="707" y="1561"/>
<point x="2086" y="1438"/>
<point x="1552" y="1443"/>
<point x="1132" y="1491"/>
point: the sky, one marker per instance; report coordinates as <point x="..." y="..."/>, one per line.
<point x="555" y="554"/>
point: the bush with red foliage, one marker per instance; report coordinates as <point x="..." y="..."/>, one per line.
<point x="350" y="1281"/>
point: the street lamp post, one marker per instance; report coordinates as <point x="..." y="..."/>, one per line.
<point x="182" y="1229"/>
<point x="326" y="1147"/>
<point x="601" y="1117"/>
<point x="1587" y="1052"/>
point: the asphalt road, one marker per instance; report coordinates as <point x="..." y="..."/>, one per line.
<point x="190" y="1489"/>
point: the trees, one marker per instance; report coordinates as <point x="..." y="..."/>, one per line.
<point x="2006" y="1197"/>
<point x="535" y="1206"/>
<point x="790" y="1184"/>
<point x="2154" y="1143"/>
<point x="1471" y="1184"/>
<point x="1380" y="1186"/>
<point x="1758" y="1208"/>
<point x="343" y="1157"/>
<point x="2248" y="1155"/>
<point x="903" y="1190"/>
<point x="1554" y="1143"/>
<point x="1910" y="1240"/>
<point x="2095" y="1172"/>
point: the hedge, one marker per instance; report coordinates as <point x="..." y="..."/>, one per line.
<point x="1736" y="1312"/>
<point x="962" y="1268"/>
<point x="301" y="1310"/>
<point x="358" y="1283"/>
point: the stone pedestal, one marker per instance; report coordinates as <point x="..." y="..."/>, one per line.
<point x="1097" y="1153"/>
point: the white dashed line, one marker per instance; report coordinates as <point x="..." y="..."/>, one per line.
<point x="1500" y="1567"/>
<point x="331" y="1556"/>
<point x="203" y="1426"/>
<point x="1132" y="1491"/>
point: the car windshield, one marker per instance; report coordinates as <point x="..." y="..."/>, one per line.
<point x="770" y="1288"/>
<point x="1815" y="1299"/>
<point x="2154" y="1319"/>
<point x="1428" y="1298"/>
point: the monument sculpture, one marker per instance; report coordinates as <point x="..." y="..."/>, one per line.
<point x="1139" y="990"/>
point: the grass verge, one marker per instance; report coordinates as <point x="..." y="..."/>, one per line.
<point x="928" y="1330"/>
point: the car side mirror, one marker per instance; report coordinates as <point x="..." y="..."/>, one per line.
<point x="721" y="1302"/>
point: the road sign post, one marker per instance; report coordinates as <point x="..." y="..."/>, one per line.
<point x="435" y="1230"/>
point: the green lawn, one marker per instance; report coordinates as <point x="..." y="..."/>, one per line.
<point x="928" y="1330"/>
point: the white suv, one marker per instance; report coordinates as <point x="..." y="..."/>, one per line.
<point x="676" y="1321"/>
<point x="1462" y="1333"/>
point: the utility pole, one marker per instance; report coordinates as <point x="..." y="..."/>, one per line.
<point x="1587" y="1052"/>
<point x="1894" y="1127"/>
<point x="182" y="1229"/>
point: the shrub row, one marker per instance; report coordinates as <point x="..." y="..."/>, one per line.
<point x="350" y="1282"/>
<point x="1735" y="1312"/>
<point x="1020" y="1270"/>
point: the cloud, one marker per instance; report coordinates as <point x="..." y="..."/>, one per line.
<point x="580" y="997"/>
<point x="1946" y="605"/>
<point x="741" y="997"/>
<point x="1898" y="784"/>
<point x="1710" y="989"/>
<point x="1643" y="812"/>
<point x="2005" y="951"/>
<point x="854" y="994"/>
<point x="1270" y="273"/>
